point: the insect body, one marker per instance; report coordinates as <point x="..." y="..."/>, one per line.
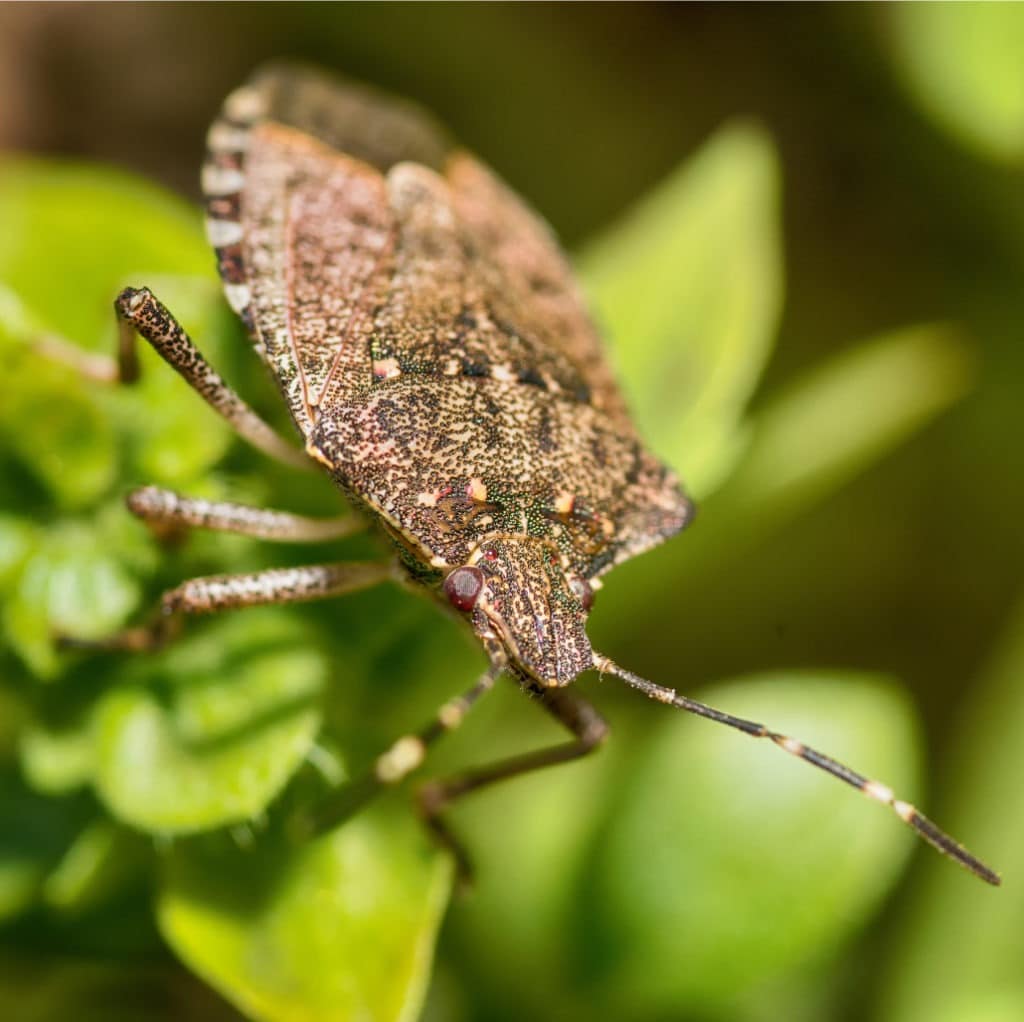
<point x="437" y="360"/>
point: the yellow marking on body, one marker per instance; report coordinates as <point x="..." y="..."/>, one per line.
<point x="386" y="369"/>
<point x="427" y="499"/>
<point x="402" y="758"/>
<point x="476" y="490"/>
<point x="879" y="792"/>
<point x="317" y="455"/>
<point x="450" y="715"/>
<point x="905" y="811"/>
<point x="564" y="503"/>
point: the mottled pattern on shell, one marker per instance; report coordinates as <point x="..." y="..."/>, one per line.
<point x="425" y="329"/>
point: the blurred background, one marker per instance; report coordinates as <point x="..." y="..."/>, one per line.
<point x="889" y="210"/>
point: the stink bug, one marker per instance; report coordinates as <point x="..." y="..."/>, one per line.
<point x="437" y="360"/>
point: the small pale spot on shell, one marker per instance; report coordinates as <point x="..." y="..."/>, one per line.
<point x="551" y="383"/>
<point x="427" y="499"/>
<point x="238" y="296"/>
<point x="221" y="180"/>
<point x="879" y="792"/>
<point x="476" y="490"/>
<point x="223" y="232"/>
<point x="438" y="562"/>
<point x="452" y="367"/>
<point x="505" y="373"/>
<point x="244" y="104"/>
<point x="564" y="503"/>
<point x="386" y="369"/>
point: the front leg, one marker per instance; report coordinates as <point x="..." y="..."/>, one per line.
<point x="170" y="514"/>
<point x="139" y="311"/>
<point x="212" y="593"/>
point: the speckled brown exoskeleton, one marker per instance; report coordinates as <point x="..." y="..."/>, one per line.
<point x="438" y="363"/>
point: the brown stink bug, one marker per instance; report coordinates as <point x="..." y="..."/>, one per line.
<point x="437" y="360"/>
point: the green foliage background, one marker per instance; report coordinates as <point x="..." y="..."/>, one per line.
<point x="816" y="316"/>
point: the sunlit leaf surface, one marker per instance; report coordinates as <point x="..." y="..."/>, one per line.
<point x="340" y="929"/>
<point x="962" y="62"/>
<point x="688" y="287"/>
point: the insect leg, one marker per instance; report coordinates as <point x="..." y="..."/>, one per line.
<point x="167" y="512"/>
<point x="393" y="765"/>
<point x="212" y="593"/>
<point x="575" y="713"/>
<point x="873" y="789"/>
<point x="139" y="311"/>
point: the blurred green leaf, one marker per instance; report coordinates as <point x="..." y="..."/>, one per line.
<point x="55" y="427"/>
<point x="35" y="833"/>
<point x="726" y="863"/>
<point x="808" y="441"/>
<point x="340" y="929"/>
<point x="838" y="419"/>
<point x="222" y="722"/>
<point x="17" y="537"/>
<point x="961" y="942"/>
<point x="101" y="230"/>
<point x="102" y="859"/>
<point x="56" y="762"/>
<point x="70" y="582"/>
<point x="87" y="228"/>
<point x="689" y="285"/>
<point x="962" y="62"/>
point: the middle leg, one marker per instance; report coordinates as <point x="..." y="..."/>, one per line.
<point x="213" y="593"/>
<point x="170" y="513"/>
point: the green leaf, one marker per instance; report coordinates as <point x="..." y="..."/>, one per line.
<point x="17" y="537"/>
<point x="962" y="62"/>
<point x="54" y="424"/>
<point x="960" y="942"/>
<point x="342" y="928"/>
<point x="98" y="230"/>
<point x="840" y="418"/>
<point x="223" y="720"/>
<point x="690" y="288"/>
<point x="71" y="582"/>
<point x="102" y="859"/>
<point x="56" y="762"/>
<point x="73" y="232"/>
<point x="34" y="835"/>
<point x="727" y="864"/>
<point x="808" y="441"/>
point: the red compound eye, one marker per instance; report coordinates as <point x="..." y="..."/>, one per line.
<point x="582" y="591"/>
<point x="462" y="587"/>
